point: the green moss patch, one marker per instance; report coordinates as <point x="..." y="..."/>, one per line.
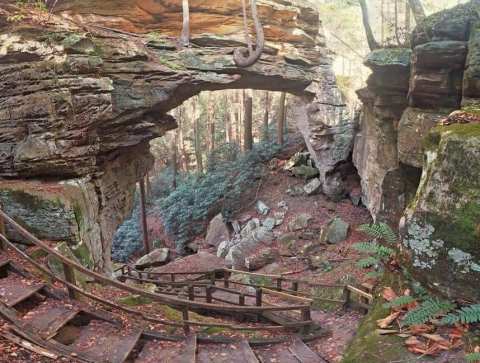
<point x="389" y="57"/>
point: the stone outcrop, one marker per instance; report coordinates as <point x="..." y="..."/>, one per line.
<point x="405" y="158"/>
<point x="83" y="91"/>
<point x="441" y="228"/>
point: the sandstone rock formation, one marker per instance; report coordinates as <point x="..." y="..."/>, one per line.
<point x="402" y="162"/>
<point x="84" y="91"/>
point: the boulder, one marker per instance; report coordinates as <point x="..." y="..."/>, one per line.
<point x="262" y="208"/>
<point x="300" y="222"/>
<point x="155" y="258"/>
<point x="298" y="159"/>
<point x="201" y="261"/>
<point x="333" y="187"/>
<point x="313" y="187"/>
<point x="217" y="231"/>
<point x="261" y="237"/>
<point x="251" y="225"/>
<point x="260" y="259"/>
<point x="305" y="172"/>
<point x="441" y="228"/>
<point x="337" y="231"/>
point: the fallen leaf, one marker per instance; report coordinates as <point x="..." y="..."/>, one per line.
<point x="384" y="323"/>
<point x="389" y="294"/>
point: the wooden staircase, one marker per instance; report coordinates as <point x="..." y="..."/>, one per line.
<point x="68" y="328"/>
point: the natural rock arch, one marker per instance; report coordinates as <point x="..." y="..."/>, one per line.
<point x="80" y="101"/>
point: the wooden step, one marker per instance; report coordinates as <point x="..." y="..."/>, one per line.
<point x="275" y="354"/>
<point x="48" y="318"/>
<point x="14" y="290"/>
<point x="303" y="353"/>
<point x="104" y="342"/>
<point x="226" y="353"/>
<point x="156" y="351"/>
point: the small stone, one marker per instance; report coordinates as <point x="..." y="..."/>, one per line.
<point x="251" y="225"/>
<point x="313" y="187"/>
<point x="279" y="218"/>
<point x="282" y="204"/>
<point x="269" y="223"/>
<point x="223" y="249"/>
<point x="300" y="158"/>
<point x="300" y="222"/>
<point x="337" y="231"/>
<point x="260" y="259"/>
<point x="262" y="208"/>
<point x="295" y="191"/>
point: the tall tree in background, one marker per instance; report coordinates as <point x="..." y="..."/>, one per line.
<point x="418" y="10"/>
<point x="247" y="126"/>
<point x="281" y="119"/>
<point x="211" y="122"/>
<point x="266" y="117"/>
<point x="174" y="160"/>
<point x="408" y="21"/>
<point x="196" y="136"/>
<point x="372" y="43"/>
<point x="185" y="37"/>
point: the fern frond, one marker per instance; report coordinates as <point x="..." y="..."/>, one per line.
<point x="473" y="357"/>
<point x="466" y="315"/>
<point x="374" y="248"/>
<point x="368" y="262"/>
<point x="380" y="231"/>
<point x="399" y="302"/>
<point x="429" y="309"/>
<point x="374" y="274"/>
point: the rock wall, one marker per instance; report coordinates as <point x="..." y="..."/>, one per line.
<point x="83" y="92"/>
<point x="417" y="171"/>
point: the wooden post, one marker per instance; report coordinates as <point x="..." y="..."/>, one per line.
<point x="191" y="293"/>
<point x="258" y="296"/>
<point x="70" y="278"/>
<point x="3" y="230"/>
<point x="226" y="278"/>
<point x="209" y="290"/>
<point x="241" y="300"/>
<point x="279" y="284"/>
<point x="143" y="214"/>
<point x="347" y="296"/>
<point x="295" y="287"/>
<point x="306" y="316"/>
<point x="186" y="327"/>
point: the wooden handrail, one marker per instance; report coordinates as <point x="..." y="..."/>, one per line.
<point x="164" y="299"/>
<point x="111" y="304"/>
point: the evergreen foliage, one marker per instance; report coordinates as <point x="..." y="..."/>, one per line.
<point x="473" y="357"/>
<point x="399" y="302"/>
<point x="429" y="309"/>
<point x="465" y="315"/>
<point x="197" y="198"/>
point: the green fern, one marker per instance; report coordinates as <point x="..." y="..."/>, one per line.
<point x="428" y="310"/>
<point x="368" y="262"/>
<point x="374" y="274"/>
<point x="473" y="357"/>
<point x="379" y="231"/>
<point x="466" y="315"/>
<point x="399" y="302"/>
<point x="374" y="248"/>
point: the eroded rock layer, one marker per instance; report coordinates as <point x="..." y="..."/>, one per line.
<point x="83" y="92"/>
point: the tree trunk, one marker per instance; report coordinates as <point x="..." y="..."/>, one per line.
<point x="372" y="43"/>
<point x="281" y="119"/>
<point x="185" y="37"/>
<point x="418" y="10"/>
<point x="196" y="134"/>
<point x="247" y="126"/>
<point x="408" y="21"/>
<point x="211" y="123"/>
<point x="382" y="21"/>
<point x="174" y="159"/>
<point x="266" y="116"/>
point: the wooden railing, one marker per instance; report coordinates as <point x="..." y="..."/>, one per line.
<point x="185" y="306"/>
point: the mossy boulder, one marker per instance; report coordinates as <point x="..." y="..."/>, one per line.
<point x="441" y="227"/>
<point x="389" y="57"/>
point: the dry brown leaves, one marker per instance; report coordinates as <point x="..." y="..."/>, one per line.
<point x="424" y="339"/>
